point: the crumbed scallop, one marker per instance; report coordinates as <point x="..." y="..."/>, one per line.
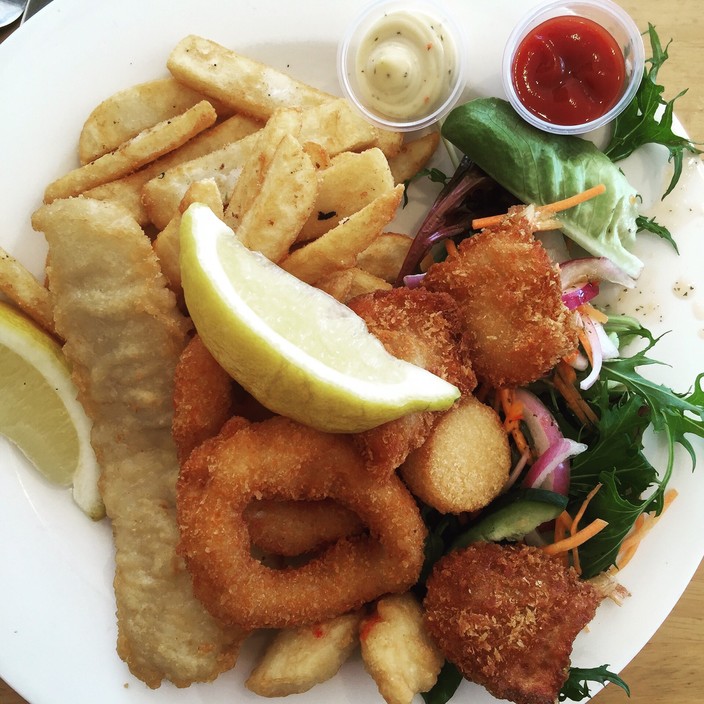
<point x="397" y="650"/>
<point x="464" y="463"/>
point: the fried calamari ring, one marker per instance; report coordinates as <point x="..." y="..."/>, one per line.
<point x="291" y="528"/>
<point x="205" y="398"/>
<point x="281" y="459"/>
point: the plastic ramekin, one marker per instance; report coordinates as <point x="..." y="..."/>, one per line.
<point x="614" y="20"/>
<point x="350" y="46"/>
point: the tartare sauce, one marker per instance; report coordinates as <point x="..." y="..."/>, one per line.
<point x="405" y="65"/>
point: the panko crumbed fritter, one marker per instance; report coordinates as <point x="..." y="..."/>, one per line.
<point x="507" y="616"/>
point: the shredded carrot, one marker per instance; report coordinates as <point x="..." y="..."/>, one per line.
<point x="640" y="529"/>
<point x="556" y="207"/>
<point x="561" y="531"/>
<point x="593" y="313"/>
<point x="513" y="414"/>
<point x="574" y="527"/>
<point x="574" y="200"/>
<point x="579" y="538"/>
<point x="582" y="509"/>
<point x="450" y="247"/>
<point x="563" y="379"/>
<point x="562" y="526"/>
<point x="584" y="339"/>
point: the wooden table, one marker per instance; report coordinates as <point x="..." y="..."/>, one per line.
<point x="670" y="668"/>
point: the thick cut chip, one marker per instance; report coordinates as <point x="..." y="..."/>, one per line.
<point x="413" y="156"/>
<point x="285" y="122"/>
<point x="163" y="194"/>
<point x="167" y="244"/>
<point x="351" y="181"/>
<point x="385" y="255"/>
<point x="299" y="658"/>
<point x="132" y="110"/>
<point x="338" y="248"/>
<point x="397" y="650"/>
<point x="284" y="203"/>
<point x="132" y="155"/>
<point x="346" y="284"/>
<point x="240" y="82"/>
<point x="127" y="191"/>
<point x="20" y="286"/>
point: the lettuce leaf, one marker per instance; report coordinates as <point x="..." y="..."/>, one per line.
<point x="540" y="168"/>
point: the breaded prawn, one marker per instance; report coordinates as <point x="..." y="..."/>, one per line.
<point x="509" y="295"/>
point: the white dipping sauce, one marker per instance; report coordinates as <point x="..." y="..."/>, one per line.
<point x="405" y="65"/>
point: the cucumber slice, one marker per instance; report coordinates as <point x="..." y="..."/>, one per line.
<point x="517" y="514"/>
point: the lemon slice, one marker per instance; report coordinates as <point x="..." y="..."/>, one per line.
<point x="40" y="413"/>
<point x="296" y="349"/>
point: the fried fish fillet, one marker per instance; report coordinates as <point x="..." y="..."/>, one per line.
<point x="420" y="327"/>
<point x="123" y="337"/>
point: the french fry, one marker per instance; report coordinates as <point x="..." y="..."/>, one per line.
<point x="413" y="156"/>
<point x="337" y="128"/>
<point x="327" y="125"/>
<point x="127" y="191"/>
<point x="259" y="90"/>
<point x="132" y="155"/>
<point x="22" y="289"/>
<point x="167" y="244"/>
<point x="162" y="194"/>
<point x="238" y="81"/>
<point x="351" y="181"/>
<point x="299" y="658"/>
<point x="397" y="651"/>
<point x="344" y="285"/>
<point x="385" y="255"/>
<point x="338" y="248"/>
<point x="283" y="204"/>
<point x="132" y="110"/>
<point x="286" y="121"/>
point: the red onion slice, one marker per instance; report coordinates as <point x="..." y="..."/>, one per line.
<point x="575" y="272"/>
<point x="542" y="426"/>
<point x="597" y="356"/>
<point x="552" y="469"/>
<point x="575" y="297"/>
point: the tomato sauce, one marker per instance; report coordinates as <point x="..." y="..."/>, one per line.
<point x="568" y="71"/>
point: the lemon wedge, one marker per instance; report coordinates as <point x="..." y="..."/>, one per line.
<point x="40" y="413"/>
<point x="296" y="349"/>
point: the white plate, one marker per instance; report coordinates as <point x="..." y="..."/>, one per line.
<point x="57" y="624"/>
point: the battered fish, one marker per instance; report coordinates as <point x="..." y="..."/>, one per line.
<point x="510" y="297"/>
<point x="421" y="327"/>
<point x="123" y="337"/>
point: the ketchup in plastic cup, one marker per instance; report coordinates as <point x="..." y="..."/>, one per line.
<point x="571" y="67"/>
